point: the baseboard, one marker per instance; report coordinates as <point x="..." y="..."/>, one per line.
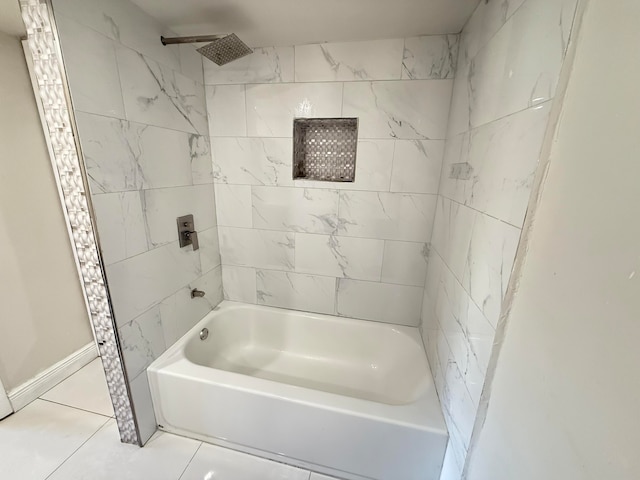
<point x="26" y="393"/>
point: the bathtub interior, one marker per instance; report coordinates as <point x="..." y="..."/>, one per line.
<point x="371" y="361"/>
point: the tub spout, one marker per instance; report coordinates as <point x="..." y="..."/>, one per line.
<point x="196" y="293"/>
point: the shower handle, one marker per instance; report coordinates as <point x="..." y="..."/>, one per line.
<point x="187" y="234"/>
<point x="192" y="237"/>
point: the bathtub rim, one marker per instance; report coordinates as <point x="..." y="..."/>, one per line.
<point x="424" y="413"/>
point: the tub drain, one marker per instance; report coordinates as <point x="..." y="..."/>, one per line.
<point x="204" y="333"/>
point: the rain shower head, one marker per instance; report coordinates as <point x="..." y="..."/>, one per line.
<point x="222" y="49"/>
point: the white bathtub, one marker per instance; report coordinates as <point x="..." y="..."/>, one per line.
<point x="345" y="397"/>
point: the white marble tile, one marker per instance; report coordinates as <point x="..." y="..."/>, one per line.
<point x="239" y="283"/>
<point x="191" y="62"/>
<point x="468" y="333"/>
<point x="142" y="341"/>
<point x="211" y="284"/>
<point x="89" y="13"/>
<point x="121" y="225"/>
<point x="253" y="161"/>
<point x="430" y="57"/>
<point x="295" y="209"/>
<point x="143" y="405"/>
<point x="156" y="95"/>
<point x="179" y="312"/>
<point x="296" y="291"/>
<point x="272" y="108"/>
<point x="90" y="61"/>
<point x="200" y="156"/>
<point x="257" y="248"/>
<point x="431" y="289"/>
<point x="381" y="302"/>
<point x="209" y="249"/>
<point x="162" y="206"/>
<point x="459" y="114"/>
<point x="459" y="410"/>
<point x="457" y="170"/>
<point x="491" y="255"/>
<point x="497" y="165"/>
<point x="164" y="457"/>
<point x="389" y="216"/>
<point x="416" y="166"/>
<point x="142" y="281"/>
<point x="38" y="438"/>
<point x="408" y="110"/>
<point x="125" y="22"/>
<point x="405" y="263"/>
<point x="233" y="205"/>
<point x="86" y="389"/>
<point x="451" y="470"/>
<point x="264" y="65"/>
<point x="374" y="161"/>
<point x="123" y="155"/>
<point x="212" y="462"/>
<point x="485" y="22"/>
<point x="358" y="258"/>
<point x="348" y="61"/>
<point x="505" y="79"/>
<point x="226" y="110"/>
<point x="452" y="230"/>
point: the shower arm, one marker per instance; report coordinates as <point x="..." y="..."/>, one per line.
<point x="196" y="39"/>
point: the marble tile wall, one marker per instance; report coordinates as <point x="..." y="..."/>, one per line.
<point x="142" y="119"/>
<point x="355" y="249"/>
<point x="511" y="52"/>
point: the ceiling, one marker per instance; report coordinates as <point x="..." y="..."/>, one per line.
<point x="10" y="19"/>
<point x="288" y="22"/>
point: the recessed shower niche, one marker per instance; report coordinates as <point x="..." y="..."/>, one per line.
<point x="324" y="149"/>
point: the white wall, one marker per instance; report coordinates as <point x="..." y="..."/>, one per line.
<point x="356" y="249"/>
<point x="43" y="318"/>
<point x="511" y="53"/>
<point x="141" y="115"/>
<point x="565" y="397"/>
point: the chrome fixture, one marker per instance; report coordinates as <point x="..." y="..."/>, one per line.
<point x="186" y="232"/>
<point x="204" y="334"/>
<point x="195" y="293"/>
<point x="222" y="49"/>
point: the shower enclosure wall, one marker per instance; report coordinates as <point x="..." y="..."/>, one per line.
<point x="141" y="116"/>
<point x="510" y="58"/>
<point x="355" y="249"/>
<point x="424" y="237"/>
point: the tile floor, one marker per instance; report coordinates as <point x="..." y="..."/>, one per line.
<point x="70" y="434"/>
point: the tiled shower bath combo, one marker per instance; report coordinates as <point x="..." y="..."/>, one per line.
<point x="357" y="208"/>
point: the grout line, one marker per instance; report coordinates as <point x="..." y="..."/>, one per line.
<point x="190" y="460"/>
<point x="74" y="407"/>
<point x="453" y="275"/>
<point x="274" y="270"/>
<point x="480" y="212"/>
<point x="323" y="82"/>
<point x="79" y="447"/>
<point x="324" y="235"/>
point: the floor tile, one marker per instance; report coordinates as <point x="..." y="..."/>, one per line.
<point x="86" y="389"/>
<point x="217" y="463"/>
<point x="35" y="440"/>
<point x="103" y="457"/>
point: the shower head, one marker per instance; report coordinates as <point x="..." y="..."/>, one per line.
<point x="222" y="49"/>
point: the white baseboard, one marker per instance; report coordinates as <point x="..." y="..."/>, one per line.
<point x="26" y="393"/>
